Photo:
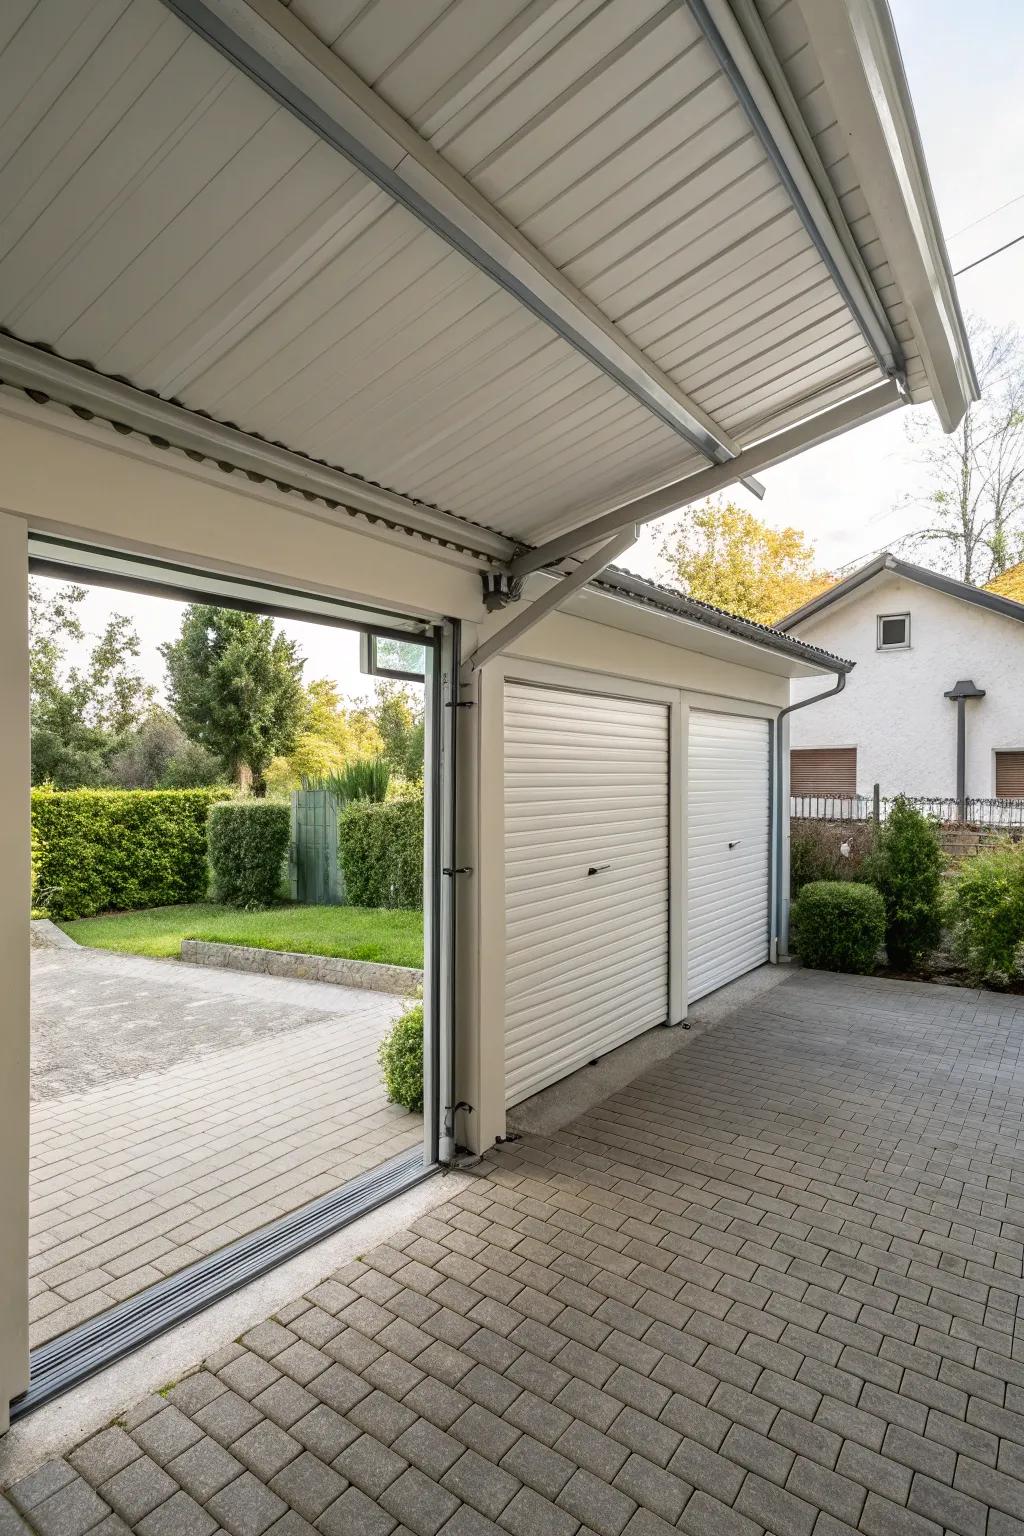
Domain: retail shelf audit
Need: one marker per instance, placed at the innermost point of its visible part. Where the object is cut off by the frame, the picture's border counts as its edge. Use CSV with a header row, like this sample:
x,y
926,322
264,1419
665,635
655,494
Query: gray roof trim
x,y
650,594
991,601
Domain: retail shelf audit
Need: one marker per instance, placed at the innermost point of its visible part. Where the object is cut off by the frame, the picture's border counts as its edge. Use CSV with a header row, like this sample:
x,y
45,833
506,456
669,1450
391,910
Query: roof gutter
x,y
780,929
616,580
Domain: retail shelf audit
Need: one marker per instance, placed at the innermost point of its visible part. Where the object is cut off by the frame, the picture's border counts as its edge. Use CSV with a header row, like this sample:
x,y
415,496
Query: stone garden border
x,y
368,974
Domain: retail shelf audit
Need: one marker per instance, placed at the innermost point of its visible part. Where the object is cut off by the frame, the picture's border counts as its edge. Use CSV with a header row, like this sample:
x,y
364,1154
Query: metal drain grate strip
x,y
63,1362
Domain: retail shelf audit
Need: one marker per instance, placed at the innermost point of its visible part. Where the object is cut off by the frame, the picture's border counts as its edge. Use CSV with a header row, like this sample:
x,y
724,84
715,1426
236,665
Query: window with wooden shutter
x,y
823,771
1010,775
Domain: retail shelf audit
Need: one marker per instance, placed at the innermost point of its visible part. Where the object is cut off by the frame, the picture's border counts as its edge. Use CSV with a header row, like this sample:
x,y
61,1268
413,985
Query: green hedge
x,y
103,849
838,926
248,841
380,844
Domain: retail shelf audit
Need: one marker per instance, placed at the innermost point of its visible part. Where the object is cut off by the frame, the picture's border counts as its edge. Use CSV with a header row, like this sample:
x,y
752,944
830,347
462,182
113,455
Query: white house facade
x,y
914,637
409,328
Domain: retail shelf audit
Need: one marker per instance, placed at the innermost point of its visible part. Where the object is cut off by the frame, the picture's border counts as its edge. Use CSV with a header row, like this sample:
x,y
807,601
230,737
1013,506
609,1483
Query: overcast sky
x,y
964,70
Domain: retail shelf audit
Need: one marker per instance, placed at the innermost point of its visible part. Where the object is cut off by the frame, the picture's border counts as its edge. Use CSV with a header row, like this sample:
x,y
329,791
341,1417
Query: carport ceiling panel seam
x,y
278,52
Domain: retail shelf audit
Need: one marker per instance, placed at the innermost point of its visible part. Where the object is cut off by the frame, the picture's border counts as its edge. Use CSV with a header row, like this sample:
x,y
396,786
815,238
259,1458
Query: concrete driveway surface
x,y
772,1284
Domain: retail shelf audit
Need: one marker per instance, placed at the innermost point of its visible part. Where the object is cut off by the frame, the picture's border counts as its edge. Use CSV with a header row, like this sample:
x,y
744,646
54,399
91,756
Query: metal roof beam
x,y
273,47
838,419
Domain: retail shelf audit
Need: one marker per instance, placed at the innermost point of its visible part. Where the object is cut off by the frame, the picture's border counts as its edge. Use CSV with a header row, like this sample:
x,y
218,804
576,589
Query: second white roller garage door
x,y
586,878
728,822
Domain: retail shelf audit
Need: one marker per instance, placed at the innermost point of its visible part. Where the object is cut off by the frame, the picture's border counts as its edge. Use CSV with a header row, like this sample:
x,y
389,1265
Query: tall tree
x,y
158,755
81,714
235,684
332,735
974,478
723,555
398,716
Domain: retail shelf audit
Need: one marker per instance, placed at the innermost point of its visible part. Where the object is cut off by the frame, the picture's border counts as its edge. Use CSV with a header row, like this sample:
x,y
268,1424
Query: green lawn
x,y
354,933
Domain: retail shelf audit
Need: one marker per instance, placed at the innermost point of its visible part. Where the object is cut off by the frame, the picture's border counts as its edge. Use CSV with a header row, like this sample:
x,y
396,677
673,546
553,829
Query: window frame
x,y
902,645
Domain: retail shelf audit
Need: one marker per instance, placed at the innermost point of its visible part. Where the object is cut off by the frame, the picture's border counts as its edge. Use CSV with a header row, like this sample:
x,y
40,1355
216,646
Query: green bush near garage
x,y
401,1059
380,844
248,844
906,867
838,926
99,850
985,912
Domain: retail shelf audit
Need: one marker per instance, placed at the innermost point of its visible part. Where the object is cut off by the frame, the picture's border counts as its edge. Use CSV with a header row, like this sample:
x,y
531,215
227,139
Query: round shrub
x,y
838,926
248,843
401,1059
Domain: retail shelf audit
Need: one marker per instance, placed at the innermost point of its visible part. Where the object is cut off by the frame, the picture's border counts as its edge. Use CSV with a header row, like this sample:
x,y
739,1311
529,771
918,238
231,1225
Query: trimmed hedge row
x,y
380,844
103,849
248,843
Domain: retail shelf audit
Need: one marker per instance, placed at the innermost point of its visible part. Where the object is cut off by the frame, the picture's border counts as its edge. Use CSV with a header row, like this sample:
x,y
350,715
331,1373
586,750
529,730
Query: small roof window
x,y
893,631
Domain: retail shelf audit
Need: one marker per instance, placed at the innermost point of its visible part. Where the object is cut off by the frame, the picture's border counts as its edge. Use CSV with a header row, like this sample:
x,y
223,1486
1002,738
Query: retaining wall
x,y
276,962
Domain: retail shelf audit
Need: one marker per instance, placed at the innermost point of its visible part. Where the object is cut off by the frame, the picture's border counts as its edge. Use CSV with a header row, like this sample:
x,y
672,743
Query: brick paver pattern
x,y
771,1285
139,1177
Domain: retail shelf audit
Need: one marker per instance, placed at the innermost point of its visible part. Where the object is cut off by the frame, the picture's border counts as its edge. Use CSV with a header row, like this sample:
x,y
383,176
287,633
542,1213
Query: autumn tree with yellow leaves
x,y
723,555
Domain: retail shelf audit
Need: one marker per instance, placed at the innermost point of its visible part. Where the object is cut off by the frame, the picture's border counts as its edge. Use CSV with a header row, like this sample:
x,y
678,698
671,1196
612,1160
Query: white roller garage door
x,y
728,822
586,878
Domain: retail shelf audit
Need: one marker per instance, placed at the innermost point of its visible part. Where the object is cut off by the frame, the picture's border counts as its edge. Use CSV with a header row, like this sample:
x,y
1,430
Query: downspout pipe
x,y
780,809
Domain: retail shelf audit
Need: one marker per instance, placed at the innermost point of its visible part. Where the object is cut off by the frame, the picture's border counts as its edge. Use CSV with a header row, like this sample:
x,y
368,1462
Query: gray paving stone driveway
x,y
773,1284
178,1109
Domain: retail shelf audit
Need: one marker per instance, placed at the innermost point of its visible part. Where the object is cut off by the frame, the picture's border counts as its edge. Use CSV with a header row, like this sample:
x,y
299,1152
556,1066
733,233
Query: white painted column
x,y
14,957
480,1036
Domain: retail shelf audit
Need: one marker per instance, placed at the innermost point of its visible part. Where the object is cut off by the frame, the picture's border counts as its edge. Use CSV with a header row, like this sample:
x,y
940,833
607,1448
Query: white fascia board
x,y
273,46
859,55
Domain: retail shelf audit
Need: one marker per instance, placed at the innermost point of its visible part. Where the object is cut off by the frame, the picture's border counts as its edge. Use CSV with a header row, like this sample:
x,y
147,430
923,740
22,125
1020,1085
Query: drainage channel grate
x,y
63,1362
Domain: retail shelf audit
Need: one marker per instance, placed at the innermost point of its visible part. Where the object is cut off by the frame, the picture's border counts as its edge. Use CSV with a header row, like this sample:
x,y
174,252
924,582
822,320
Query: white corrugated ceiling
x,y
164,219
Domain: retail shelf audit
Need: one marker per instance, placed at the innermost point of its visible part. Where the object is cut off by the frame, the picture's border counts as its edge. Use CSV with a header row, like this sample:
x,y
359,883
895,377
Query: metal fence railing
x,y
981,813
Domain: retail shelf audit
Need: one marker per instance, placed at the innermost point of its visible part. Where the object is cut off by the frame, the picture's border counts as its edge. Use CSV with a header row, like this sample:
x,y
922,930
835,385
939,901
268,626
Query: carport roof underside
x,y
495,273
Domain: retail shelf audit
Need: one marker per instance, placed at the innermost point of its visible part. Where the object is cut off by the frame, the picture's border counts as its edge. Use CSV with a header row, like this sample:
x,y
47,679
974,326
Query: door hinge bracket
x,y
463,869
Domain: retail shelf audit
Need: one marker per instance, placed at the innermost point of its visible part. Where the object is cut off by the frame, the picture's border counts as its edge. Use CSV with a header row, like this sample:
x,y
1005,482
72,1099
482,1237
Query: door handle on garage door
x,y
598,869
735,842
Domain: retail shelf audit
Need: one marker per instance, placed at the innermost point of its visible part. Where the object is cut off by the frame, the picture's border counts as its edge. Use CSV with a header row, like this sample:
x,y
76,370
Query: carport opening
x,y
235,804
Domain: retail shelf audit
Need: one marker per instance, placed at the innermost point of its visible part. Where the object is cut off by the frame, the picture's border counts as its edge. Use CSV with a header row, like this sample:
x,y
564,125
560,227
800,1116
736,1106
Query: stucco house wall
x,y
893,710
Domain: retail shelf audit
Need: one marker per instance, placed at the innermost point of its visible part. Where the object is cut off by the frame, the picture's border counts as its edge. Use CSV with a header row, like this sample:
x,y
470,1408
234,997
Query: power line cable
x,y
988,256
982,217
